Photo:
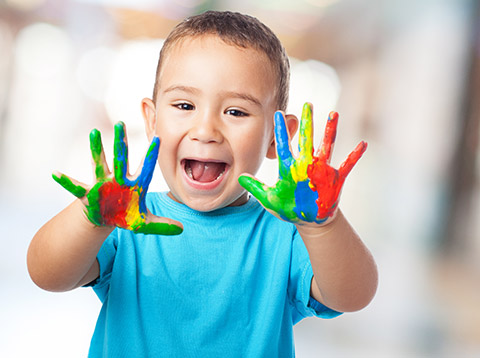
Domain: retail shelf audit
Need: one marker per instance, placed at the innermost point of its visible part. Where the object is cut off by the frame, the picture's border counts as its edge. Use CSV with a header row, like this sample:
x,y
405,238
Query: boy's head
x,y
220,79
239,30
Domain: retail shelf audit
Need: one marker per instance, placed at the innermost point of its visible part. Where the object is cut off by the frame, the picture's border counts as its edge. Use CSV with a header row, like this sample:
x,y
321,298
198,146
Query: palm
x,y
308,188
115,199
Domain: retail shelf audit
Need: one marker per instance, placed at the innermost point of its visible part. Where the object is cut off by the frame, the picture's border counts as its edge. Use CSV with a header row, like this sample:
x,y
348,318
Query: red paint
x,y
326,181
114,200
329,137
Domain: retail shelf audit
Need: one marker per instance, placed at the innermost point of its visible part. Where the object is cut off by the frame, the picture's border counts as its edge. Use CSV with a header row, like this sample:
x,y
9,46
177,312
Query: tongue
x,y
206,171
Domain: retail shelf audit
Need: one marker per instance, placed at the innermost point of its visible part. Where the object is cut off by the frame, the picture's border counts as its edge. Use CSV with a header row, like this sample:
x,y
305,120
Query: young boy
x,y
237,278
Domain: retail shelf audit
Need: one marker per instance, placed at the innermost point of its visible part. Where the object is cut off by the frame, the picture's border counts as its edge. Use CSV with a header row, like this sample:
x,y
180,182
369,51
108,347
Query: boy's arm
x,y
307,194
62,255
345,273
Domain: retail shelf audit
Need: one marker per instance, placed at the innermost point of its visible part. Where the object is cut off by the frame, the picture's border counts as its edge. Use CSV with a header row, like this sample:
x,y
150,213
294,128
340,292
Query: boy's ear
x,y
292,126
149,117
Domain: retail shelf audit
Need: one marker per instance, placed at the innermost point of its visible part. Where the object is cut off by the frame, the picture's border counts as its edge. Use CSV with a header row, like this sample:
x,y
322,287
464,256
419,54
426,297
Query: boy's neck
x,y
242,200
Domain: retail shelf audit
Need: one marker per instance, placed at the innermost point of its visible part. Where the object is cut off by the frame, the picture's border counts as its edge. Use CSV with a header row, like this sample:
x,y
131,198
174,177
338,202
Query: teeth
x,y
188,170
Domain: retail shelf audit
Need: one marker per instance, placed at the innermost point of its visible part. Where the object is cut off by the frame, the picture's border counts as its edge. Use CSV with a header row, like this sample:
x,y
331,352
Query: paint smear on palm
x,y
120,206
117,205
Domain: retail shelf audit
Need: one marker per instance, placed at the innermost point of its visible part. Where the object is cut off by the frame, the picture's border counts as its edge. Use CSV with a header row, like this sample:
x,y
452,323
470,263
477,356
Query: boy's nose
x,y
206,130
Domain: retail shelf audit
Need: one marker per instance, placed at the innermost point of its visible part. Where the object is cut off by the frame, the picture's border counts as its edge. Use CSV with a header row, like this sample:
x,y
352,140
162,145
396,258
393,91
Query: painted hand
x,y
308,188
116,199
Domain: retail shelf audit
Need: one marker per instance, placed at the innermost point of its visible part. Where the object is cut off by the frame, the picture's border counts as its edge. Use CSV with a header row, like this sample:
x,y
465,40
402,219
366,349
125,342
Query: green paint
x,y
96,148
67,183
279,199
152,147
93,207
158,229
120,154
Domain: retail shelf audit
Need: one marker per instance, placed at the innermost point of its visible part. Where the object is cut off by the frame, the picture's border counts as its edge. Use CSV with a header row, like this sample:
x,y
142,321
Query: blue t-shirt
x,y
233,284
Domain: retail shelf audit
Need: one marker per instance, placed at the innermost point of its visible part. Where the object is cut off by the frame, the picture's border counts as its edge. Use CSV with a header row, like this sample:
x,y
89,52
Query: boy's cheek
x,y
252,159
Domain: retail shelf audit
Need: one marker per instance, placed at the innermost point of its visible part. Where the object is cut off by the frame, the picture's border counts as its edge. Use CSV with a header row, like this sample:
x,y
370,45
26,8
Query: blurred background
x,y
404,76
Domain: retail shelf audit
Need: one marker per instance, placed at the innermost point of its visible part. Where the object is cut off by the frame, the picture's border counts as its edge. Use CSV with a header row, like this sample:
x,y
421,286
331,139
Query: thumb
x,y
255,187
157,225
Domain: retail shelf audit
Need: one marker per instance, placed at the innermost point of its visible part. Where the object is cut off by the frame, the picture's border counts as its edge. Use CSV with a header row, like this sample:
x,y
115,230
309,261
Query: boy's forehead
x,y
175,52
200,41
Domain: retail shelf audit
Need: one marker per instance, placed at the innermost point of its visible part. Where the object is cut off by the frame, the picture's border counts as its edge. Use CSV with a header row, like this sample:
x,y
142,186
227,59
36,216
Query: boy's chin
x,y
207,203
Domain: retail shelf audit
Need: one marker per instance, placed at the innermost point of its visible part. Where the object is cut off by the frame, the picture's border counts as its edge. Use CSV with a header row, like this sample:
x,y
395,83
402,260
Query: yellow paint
x,y
305,146
132,215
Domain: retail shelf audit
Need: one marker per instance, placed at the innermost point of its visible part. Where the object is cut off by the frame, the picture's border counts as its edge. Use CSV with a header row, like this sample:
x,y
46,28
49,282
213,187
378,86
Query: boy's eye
x,y
184,106
236,113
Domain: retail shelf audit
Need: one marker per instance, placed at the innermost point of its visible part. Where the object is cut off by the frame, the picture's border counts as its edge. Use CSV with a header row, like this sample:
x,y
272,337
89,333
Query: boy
x,y
237,278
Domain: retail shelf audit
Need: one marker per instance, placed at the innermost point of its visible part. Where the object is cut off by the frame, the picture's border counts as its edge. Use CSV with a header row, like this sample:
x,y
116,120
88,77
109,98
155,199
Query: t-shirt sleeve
x,y
105,258
300,279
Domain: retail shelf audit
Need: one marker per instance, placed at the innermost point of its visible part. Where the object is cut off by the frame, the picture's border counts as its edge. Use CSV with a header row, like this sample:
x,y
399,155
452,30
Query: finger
x,y
285,158
256,188
149,163
271,198
98,155
305,139
352,159
305,145
325,152
120,154
157,225
158,229
76,188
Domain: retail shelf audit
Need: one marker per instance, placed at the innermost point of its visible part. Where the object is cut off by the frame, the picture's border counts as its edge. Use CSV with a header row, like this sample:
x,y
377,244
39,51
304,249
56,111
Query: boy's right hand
x,y
114,199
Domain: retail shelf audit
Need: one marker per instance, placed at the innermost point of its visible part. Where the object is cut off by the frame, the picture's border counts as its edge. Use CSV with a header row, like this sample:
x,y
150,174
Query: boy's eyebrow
x,y
182,88
244,96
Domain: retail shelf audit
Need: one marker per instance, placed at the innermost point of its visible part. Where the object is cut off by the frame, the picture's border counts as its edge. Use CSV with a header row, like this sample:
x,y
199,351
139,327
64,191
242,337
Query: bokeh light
x,y
132,78
94,72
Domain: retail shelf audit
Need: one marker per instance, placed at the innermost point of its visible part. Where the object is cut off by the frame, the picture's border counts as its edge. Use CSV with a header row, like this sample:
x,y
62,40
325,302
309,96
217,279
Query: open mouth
x,y
204,172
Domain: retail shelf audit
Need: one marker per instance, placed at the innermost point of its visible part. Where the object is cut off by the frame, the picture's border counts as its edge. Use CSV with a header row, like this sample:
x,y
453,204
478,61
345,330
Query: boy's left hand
x,y
308,188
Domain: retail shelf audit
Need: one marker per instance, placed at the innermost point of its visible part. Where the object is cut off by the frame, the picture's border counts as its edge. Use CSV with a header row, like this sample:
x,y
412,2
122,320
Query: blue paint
x,y
283,146
305,202
145,177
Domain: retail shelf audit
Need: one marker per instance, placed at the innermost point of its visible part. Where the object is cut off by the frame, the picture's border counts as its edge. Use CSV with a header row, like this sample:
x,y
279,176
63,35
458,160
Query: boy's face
x,y
214,117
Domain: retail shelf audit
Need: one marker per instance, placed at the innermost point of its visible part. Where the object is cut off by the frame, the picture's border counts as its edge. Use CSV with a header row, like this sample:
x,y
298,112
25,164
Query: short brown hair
x,y
239,30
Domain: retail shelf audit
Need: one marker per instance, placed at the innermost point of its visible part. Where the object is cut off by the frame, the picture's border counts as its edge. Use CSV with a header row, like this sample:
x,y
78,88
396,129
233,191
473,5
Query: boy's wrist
x,y
312,230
